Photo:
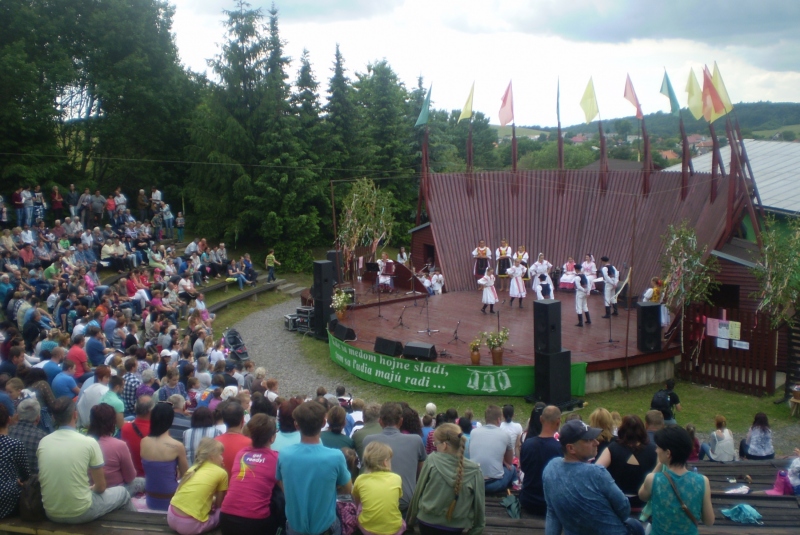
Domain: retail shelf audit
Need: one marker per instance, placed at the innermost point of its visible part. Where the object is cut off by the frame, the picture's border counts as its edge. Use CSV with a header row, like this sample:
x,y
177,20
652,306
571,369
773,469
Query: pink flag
x,y
630,95
506,113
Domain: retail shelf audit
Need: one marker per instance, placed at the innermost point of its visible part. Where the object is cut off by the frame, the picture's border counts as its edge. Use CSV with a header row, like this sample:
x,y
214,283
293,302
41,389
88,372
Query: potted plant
x,y
340,302
495,341
475,351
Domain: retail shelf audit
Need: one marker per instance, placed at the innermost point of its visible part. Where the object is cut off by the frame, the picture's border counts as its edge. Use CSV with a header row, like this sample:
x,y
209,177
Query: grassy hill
x,y
505,131
771,132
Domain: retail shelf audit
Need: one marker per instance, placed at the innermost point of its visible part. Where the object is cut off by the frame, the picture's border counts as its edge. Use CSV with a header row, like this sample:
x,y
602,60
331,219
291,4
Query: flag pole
x,y
513,146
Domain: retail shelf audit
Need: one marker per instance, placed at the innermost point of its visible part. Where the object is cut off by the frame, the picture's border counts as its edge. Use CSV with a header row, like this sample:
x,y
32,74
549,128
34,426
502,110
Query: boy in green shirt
x,y
270,261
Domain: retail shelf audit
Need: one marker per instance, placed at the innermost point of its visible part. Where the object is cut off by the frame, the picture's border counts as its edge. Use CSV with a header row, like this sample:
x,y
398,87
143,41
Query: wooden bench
x,y
118,522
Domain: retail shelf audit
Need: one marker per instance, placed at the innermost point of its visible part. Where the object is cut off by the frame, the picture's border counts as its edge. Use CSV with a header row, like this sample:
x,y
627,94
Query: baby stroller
x,y
235,344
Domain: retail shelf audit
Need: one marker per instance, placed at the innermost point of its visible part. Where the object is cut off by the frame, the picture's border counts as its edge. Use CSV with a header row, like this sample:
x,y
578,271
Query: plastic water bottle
x,y
694,469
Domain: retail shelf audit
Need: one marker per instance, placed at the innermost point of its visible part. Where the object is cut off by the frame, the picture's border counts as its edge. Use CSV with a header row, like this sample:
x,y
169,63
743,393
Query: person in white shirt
x,y
483,257
504,262
402,256
589,270
610,282
568,276
437,281
517,286
27,235
489,293
582,290
512,428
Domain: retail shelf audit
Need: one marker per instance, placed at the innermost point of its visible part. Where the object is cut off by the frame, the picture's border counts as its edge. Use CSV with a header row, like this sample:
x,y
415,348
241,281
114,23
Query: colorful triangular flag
x,y
695,99
425,111
466,111
719,85
630,96
506,113
712,103
667,91
589,102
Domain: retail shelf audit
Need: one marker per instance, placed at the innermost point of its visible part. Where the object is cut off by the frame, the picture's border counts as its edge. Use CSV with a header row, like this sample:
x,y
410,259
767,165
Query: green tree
x,y
778,270
788,135
575,157
366,219
623,127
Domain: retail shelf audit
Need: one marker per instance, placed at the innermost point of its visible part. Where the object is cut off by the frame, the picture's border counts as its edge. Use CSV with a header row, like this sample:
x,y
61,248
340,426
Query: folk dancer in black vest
x,y
610,280
543,287
522,256
482,256
582,291
489,293
503,255
517,288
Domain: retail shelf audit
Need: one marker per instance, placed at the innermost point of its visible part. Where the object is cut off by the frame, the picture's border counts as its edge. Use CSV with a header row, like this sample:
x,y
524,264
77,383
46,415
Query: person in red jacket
x,y
133,432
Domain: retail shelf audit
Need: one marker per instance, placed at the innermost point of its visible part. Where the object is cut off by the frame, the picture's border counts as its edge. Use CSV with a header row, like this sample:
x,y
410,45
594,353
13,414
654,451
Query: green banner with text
x,y
436,377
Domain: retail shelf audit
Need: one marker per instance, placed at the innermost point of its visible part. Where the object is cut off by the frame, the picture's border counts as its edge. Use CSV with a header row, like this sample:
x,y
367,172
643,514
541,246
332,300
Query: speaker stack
x,y
552,383
322,292
648,331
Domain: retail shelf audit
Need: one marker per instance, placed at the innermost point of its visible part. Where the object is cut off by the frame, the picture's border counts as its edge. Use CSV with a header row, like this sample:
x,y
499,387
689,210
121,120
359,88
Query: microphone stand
x,y
400,319
379,304
428,319
455,338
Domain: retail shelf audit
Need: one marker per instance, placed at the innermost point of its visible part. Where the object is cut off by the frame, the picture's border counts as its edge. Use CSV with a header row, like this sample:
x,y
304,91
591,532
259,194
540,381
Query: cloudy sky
x,y
452,43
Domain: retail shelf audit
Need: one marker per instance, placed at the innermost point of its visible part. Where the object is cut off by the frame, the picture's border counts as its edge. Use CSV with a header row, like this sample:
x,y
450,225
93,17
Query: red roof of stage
x,y
530,208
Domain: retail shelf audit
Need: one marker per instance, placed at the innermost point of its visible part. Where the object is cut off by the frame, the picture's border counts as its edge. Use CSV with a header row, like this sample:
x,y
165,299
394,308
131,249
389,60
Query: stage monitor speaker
x,y
384,346
333,323
547,326
552,383
344,333
323,281
648,339
419,351
320,310
336,258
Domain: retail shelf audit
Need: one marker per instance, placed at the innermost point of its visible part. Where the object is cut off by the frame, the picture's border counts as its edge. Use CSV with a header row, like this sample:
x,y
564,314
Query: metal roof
x,y
528,208
776,169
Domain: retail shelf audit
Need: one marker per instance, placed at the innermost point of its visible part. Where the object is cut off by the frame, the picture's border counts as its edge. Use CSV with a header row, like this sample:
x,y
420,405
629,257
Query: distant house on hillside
x,y
694,139
580,138
633,139
704,147
669,154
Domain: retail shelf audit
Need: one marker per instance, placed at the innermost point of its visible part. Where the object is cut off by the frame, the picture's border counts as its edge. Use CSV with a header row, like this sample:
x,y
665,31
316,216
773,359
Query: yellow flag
x,y
719,85
589,102
695,99
466,111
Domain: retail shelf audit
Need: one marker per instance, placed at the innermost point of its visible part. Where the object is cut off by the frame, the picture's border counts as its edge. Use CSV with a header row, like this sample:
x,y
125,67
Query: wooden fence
x,y
751,371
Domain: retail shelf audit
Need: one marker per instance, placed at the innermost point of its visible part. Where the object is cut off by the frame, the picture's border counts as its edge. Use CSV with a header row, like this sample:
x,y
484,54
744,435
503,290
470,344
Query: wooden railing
x,y
750,370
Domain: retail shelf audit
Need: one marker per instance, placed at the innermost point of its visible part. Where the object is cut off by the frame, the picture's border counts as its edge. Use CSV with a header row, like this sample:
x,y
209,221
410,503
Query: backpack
x,y
31,507
660,401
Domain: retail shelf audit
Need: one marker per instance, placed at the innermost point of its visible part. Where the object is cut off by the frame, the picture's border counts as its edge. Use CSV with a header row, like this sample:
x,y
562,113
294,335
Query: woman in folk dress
x,y
522,256
540,267
590,270
567,281
654,294
517,285
489,293
482,256
503,255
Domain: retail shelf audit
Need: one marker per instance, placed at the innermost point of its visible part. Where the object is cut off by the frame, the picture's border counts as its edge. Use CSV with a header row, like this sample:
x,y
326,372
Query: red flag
x,y
630,96
506,113
712,103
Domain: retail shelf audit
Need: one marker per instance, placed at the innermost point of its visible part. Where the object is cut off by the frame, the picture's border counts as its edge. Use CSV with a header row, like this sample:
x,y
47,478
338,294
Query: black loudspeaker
x,y
384,346
552,377
324,279
547,326
648,338
344,333
318,322
336,258
334,321
419,351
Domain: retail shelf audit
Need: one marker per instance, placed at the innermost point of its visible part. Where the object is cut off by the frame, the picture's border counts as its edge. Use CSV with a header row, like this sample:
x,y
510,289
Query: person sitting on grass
x,y
378,491
195,507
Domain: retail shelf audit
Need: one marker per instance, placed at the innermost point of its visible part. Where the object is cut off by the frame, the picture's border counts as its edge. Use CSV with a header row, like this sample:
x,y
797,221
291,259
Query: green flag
x,y
667,91
426,108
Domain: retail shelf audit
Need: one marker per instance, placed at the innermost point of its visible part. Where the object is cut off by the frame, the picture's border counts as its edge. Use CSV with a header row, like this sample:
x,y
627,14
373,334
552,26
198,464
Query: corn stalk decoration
x,y
778,271
687,278
367,219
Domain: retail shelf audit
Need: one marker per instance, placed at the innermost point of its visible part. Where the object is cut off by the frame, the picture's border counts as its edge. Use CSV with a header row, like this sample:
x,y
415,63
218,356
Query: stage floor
x,y
444,312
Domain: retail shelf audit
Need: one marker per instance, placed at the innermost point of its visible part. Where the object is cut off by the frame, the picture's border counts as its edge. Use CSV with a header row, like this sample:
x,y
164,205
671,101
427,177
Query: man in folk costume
x,y
543,287
437,281
582,291
522,256
567,280
517,285
611,280
482,256
503,255
590,269
489,293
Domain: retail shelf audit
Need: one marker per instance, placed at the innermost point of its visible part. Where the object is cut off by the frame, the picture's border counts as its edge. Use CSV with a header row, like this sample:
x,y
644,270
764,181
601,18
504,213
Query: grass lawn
x,y
700,404
236,312
769,133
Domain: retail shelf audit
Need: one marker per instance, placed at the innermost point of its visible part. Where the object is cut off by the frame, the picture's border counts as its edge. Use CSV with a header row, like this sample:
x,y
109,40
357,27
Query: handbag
x,y
680,500
31,507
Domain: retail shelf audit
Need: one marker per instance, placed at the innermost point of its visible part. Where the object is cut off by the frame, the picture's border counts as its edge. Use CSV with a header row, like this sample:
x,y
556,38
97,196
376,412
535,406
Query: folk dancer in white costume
x,y
543,287
489,293
582,290
590,270
426,282
437,281
568,276
522,256
654,294
517,286
482,256
504,262
385,276
402,257
540,267
610,280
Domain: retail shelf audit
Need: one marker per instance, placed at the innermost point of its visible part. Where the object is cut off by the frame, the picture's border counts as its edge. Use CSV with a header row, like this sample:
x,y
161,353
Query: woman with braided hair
x,y
450,491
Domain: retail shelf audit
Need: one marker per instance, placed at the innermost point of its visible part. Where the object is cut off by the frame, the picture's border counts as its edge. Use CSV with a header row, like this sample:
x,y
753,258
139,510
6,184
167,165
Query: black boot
x,y
608,313
520,303
580,321
484,309
616,312
512,302
588,319
491,309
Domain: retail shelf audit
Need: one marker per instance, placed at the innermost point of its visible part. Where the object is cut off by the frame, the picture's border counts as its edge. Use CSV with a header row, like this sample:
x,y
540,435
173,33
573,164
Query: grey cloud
x,y
303,10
